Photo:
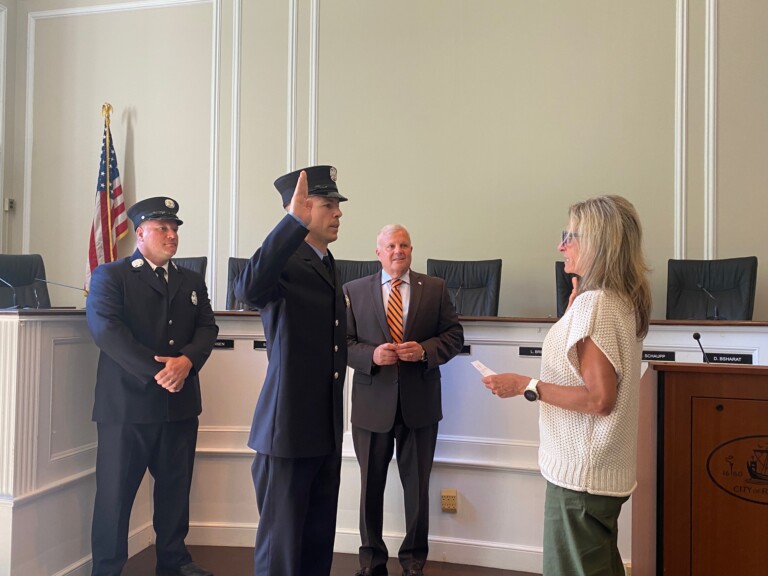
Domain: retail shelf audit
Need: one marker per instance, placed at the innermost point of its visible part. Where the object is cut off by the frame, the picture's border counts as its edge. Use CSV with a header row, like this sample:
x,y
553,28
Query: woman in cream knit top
x,y
589,387
588,452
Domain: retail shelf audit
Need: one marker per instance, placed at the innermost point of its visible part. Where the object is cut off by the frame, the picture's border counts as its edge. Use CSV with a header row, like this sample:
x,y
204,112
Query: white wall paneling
x,y
234,206
48,447
710,130
681,126
213,200
3,115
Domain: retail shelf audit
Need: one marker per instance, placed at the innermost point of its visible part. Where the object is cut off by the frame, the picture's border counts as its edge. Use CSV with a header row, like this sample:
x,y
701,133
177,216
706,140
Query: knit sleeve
x,y
601,317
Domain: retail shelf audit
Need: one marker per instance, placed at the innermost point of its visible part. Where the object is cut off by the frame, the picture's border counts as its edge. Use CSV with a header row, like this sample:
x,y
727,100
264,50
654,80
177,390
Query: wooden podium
x,y
701,505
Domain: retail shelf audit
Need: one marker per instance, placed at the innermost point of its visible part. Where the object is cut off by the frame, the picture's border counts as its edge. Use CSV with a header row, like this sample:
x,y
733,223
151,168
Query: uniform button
x,y
337,322
171,342
336,348
335,375
170,322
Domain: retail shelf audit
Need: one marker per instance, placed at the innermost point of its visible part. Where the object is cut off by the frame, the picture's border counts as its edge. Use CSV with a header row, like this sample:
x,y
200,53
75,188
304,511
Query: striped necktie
x,y
395,311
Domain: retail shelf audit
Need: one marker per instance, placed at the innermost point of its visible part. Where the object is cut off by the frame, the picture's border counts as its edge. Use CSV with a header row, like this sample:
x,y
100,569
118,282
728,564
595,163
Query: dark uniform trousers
x,y
289,489
125,452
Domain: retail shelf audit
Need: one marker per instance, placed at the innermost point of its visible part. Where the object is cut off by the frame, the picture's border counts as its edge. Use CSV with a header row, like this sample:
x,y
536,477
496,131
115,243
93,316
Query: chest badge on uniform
x,y
193,298
138,263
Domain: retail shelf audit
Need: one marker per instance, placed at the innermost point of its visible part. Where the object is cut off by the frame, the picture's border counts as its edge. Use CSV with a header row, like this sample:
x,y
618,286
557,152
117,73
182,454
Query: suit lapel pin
x,y
346,299
138,263
194,298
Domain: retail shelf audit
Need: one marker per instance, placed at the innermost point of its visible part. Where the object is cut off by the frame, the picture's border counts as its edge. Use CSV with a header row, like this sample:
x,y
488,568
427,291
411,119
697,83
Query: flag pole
x,y
110,221
106,110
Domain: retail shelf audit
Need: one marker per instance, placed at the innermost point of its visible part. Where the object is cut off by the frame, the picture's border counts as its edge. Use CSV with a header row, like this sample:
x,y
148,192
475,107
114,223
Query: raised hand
x,y
301,203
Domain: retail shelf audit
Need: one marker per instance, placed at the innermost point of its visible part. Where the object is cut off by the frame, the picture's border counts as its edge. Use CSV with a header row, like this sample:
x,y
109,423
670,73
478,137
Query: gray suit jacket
x,y
432,322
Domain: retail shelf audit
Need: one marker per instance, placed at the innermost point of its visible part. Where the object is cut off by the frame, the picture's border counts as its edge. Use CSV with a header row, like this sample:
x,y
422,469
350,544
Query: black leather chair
x,y
564,287
474,285
197,264
20,272
234,267
353,269
711,289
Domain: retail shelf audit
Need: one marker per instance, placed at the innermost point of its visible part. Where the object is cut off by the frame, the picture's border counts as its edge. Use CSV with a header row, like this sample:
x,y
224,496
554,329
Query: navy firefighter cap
x,y
157,208
321,181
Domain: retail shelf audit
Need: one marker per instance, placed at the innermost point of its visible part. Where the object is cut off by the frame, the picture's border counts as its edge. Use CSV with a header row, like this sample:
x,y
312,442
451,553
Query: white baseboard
x,y
455,551
459,551
138,540
487,554
218,534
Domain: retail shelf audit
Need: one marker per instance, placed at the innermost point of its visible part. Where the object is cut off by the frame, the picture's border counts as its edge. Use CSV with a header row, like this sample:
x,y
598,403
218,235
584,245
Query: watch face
x,y
531,395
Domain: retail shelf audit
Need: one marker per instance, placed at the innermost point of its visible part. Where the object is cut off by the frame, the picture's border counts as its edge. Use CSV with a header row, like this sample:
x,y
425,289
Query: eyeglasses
x,y
568,237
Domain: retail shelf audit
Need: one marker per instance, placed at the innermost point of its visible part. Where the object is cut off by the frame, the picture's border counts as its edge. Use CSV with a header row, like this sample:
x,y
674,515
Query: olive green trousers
x,y
581,533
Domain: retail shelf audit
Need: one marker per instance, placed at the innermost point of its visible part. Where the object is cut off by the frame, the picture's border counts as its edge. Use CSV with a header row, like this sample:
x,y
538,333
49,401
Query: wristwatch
x,y
531,391
423,355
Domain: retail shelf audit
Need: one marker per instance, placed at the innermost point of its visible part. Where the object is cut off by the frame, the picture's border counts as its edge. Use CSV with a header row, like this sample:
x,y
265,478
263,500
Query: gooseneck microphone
x,y
697,337
711,296
83,290
458,299
13,289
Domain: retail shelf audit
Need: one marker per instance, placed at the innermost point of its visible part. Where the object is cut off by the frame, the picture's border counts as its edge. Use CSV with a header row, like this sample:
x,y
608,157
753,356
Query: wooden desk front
x,y
701,508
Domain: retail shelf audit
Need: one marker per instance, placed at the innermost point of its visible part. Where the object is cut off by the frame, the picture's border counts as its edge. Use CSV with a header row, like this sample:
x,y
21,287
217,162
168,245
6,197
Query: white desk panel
x,y
487,447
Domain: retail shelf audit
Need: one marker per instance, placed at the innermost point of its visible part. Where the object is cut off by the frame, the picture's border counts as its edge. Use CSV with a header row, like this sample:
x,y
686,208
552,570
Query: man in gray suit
x,y
401,326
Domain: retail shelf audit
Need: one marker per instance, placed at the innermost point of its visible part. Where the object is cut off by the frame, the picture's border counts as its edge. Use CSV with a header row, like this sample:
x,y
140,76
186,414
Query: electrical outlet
x,y
9,205
449,500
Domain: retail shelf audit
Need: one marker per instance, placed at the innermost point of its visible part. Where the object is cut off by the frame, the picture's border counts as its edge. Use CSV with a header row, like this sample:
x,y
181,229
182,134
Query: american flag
x,y
108,225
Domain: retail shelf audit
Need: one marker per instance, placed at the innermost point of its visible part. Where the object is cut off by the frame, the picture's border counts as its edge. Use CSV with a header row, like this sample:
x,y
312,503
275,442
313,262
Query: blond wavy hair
x,y
611,252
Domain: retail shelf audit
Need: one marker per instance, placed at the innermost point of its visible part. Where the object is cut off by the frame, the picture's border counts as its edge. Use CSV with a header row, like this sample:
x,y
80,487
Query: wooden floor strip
x,y
232,561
